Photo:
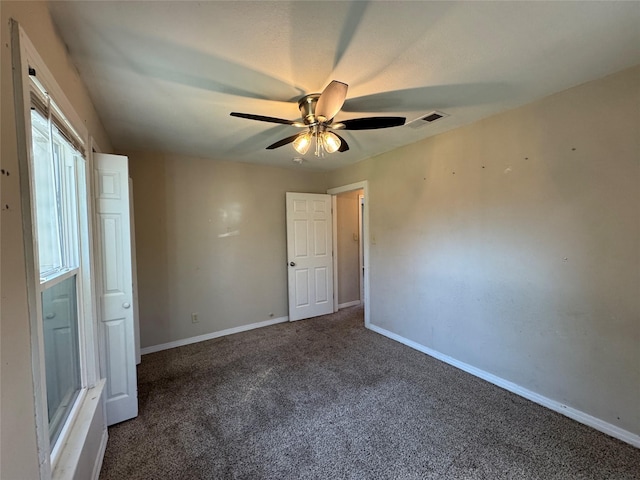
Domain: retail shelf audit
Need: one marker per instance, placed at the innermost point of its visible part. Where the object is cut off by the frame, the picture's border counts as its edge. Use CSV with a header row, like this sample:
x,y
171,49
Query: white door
x,y
115,290
310,255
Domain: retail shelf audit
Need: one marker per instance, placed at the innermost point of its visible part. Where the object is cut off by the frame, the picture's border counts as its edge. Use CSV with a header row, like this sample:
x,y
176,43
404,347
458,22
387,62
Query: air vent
x,y
427,118
433,117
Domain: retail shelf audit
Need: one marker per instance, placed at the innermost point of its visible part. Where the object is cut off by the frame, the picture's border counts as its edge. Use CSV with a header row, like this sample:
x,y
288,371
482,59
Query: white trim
x,y
361,207
23,133
69,428
349,304
347,188
364,185
100,458
334,250
67,462
85,243
577,415
59,277
212,335
134,275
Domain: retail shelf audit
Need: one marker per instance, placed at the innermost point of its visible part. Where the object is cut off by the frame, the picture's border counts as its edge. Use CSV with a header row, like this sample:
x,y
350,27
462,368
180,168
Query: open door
x,y
115,287
310,255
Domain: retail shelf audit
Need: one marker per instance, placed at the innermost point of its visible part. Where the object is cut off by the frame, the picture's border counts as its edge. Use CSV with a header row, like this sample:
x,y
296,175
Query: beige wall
x,y
211,239
18,441
347,205
513,245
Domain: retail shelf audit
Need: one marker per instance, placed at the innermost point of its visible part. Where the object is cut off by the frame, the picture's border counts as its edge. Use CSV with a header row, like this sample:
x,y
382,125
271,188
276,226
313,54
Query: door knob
x,y
293,264
126,305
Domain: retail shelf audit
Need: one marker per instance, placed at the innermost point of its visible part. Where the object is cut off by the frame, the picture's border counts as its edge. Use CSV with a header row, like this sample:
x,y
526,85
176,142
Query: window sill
x,y
86,439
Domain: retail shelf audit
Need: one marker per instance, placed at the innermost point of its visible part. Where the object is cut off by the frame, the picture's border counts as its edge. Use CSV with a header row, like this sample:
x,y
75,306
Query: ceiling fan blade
x,y
344,146
372,123
262,118
331,100
284,141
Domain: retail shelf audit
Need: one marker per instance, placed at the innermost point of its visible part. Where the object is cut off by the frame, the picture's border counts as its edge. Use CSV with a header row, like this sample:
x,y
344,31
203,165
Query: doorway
x,y
348,250
357,238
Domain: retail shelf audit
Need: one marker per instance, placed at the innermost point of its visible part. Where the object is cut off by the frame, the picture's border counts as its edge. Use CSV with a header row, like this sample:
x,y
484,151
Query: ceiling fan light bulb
x,y
330,142
302,143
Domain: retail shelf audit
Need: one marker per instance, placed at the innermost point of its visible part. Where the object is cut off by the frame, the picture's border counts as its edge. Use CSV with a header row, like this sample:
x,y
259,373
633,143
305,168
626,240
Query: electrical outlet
x,y
194,317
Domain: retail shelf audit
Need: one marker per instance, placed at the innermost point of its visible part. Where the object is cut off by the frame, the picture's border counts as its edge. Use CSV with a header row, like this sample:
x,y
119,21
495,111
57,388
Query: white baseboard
x,y
103,448
210,336
570,412
349,304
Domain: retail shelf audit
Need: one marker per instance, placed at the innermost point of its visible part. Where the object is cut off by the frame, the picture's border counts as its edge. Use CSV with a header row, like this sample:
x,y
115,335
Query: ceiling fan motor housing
x,y
307,105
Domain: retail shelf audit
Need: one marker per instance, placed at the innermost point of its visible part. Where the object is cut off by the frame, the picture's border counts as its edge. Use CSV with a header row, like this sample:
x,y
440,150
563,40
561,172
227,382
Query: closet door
x,y
115,287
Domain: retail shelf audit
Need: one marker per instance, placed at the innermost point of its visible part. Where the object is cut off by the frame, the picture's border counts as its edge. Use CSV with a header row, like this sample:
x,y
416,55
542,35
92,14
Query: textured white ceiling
x,y
164,76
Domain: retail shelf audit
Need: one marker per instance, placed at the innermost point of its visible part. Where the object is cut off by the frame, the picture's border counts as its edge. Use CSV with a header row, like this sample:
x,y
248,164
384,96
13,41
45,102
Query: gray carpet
x,y
327,399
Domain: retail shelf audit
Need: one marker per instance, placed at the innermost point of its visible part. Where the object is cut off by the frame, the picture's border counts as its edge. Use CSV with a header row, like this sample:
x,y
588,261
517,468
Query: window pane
x,y
61,349
47,197
64,156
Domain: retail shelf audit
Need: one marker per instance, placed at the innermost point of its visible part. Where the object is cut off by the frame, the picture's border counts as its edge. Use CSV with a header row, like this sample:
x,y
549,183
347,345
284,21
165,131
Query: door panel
x,y
300,239
116,287
116,343
320,237
321,285
302,287
310,249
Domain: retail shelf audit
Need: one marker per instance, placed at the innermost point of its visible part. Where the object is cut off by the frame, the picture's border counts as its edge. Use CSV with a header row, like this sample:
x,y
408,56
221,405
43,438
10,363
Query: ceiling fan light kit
x,y
330,142
324,142
302,142
318,111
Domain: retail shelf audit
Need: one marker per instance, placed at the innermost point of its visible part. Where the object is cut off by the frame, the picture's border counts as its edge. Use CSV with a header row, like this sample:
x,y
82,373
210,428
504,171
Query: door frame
x,y
364,186
361,207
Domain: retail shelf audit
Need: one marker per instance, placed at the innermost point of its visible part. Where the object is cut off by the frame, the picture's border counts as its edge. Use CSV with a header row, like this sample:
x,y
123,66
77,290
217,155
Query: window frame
x,y
26,60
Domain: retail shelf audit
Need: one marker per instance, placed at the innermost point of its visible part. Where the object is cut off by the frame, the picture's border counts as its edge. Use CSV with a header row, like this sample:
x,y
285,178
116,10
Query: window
x,y
55,162
57,181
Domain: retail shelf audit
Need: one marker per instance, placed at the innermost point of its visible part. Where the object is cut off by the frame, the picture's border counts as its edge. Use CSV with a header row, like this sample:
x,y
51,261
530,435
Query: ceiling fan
x,y
318,112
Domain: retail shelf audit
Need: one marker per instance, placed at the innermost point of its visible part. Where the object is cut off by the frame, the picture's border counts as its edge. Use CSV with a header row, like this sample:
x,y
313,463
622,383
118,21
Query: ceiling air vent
x,y
423,120
432,117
